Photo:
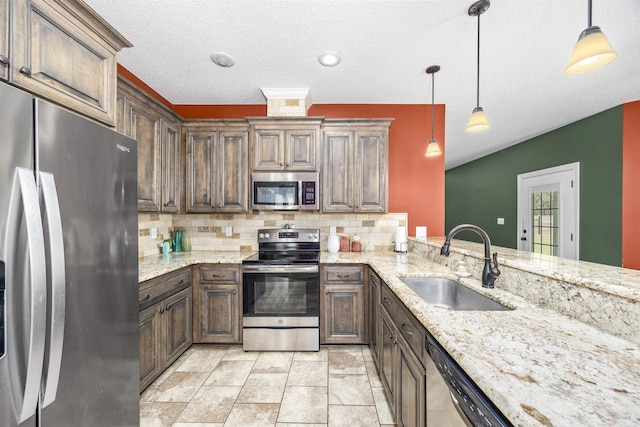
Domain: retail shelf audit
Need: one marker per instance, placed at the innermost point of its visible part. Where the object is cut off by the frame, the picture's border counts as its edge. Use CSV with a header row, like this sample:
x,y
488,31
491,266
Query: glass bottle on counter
x,y
186,243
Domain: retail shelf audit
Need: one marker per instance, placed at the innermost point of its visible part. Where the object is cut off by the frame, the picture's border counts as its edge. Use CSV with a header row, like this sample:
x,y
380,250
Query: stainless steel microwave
x,y
293,191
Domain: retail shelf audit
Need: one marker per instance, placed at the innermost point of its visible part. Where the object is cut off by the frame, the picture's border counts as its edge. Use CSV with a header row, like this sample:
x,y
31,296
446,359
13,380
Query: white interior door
x,y
549,211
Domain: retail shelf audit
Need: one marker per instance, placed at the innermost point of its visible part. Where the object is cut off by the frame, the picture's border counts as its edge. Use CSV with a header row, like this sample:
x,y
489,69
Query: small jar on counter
x,y
356,245
344,244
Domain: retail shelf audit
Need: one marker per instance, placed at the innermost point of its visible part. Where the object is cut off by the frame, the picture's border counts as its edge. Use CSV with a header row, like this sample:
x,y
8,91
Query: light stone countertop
x,y
153,266
539,367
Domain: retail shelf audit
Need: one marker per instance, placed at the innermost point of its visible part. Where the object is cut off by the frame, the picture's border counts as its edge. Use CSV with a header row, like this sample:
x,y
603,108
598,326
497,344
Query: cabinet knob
x,y
25,70
386,301
235,292
162,310
327,292
167,307
4,60
280,163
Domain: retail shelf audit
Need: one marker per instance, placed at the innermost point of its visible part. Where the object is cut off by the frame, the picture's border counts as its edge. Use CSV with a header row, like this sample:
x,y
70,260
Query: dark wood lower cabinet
x,y
411,381
343,299
217,313
400,359
387,357
165,333
150,337
374,313
219,307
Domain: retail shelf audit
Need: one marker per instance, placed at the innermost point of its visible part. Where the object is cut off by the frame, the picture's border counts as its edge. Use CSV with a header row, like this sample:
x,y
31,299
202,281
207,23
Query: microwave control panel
x,y
308,193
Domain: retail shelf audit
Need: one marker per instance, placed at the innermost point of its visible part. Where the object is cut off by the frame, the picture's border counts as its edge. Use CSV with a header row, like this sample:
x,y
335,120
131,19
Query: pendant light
x,y
592,50
433,149
478,121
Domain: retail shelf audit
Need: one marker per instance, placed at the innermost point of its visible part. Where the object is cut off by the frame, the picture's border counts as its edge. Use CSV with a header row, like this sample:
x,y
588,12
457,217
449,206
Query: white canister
x,y
333,243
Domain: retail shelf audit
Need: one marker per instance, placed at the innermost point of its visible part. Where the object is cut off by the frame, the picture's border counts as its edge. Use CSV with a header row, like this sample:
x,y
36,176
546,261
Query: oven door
x,y
281,296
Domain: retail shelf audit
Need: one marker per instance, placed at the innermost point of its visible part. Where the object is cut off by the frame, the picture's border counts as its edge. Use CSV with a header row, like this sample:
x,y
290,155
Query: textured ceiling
x,y
385,48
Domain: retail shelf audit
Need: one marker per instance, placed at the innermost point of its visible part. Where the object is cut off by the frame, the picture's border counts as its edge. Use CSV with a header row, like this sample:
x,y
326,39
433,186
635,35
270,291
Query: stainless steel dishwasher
x,y
453,399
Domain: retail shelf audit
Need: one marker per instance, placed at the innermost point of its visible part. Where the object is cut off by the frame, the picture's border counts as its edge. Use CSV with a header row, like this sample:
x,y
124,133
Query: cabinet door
x,y
232,173
150,338
268,150
58,56
411,388
374,314
343,315
5,60
219,307
300,146
144,126
371,172
387,357
177,327
171,167
200,174
338,172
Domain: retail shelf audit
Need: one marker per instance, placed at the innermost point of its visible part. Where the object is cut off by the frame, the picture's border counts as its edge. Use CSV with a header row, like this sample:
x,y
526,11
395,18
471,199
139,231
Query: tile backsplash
x,y
207,231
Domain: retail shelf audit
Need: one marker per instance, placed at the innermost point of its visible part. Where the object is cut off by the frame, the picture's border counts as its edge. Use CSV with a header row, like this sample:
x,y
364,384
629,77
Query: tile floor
x,y
215,386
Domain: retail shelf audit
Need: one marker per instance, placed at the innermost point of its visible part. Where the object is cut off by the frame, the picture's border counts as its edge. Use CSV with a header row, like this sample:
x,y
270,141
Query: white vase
x,y
333,243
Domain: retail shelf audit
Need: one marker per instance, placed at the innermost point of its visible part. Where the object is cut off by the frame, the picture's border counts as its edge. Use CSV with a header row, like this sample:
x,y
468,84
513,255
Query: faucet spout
x,y
490,271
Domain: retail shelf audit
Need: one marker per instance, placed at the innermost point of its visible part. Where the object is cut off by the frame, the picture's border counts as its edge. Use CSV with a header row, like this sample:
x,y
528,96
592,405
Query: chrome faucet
x,y
489,272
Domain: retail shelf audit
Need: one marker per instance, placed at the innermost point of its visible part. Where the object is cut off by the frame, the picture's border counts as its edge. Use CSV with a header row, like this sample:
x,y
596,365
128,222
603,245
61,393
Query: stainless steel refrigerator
x,y
68,269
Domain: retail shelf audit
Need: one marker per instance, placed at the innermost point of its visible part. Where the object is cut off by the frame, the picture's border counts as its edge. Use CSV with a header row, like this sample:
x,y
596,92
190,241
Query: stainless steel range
x,y
281,291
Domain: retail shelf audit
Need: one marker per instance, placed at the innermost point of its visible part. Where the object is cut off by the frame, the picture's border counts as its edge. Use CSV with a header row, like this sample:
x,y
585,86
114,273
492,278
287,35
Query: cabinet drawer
x,y
219,275
163,286
412,330
342,274
389,302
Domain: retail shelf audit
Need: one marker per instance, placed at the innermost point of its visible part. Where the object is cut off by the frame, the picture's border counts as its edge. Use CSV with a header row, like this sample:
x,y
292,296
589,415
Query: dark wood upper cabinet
x,y
62,51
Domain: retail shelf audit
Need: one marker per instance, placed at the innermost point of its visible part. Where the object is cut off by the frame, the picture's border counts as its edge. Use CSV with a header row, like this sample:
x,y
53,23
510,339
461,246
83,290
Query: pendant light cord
x,y
478,72
589,12
433,76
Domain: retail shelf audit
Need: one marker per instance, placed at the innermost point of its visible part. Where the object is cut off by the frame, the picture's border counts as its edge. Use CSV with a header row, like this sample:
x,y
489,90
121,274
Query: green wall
x,y
480,191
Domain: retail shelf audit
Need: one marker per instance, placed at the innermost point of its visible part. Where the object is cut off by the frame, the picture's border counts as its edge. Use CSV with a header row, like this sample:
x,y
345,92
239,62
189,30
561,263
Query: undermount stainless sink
x,y
451,295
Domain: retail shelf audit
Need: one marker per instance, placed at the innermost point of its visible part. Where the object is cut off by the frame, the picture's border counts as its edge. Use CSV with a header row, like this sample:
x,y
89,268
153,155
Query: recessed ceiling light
x,y
222,59
329,59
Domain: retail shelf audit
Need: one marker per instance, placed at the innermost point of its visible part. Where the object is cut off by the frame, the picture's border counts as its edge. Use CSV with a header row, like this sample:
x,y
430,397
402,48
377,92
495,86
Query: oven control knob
x,y
261,236
313,236
266,235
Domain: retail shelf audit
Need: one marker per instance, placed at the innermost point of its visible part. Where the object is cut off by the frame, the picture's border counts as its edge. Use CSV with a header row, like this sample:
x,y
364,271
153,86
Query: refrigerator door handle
x,y
58,287
24,186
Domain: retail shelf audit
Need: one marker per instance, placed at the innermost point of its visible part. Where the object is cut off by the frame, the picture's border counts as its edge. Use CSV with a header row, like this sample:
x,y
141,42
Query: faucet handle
x,y
495,272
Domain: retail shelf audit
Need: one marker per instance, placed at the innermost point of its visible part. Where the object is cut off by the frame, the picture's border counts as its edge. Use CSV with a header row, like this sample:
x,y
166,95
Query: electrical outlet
x,y
154,233
228,231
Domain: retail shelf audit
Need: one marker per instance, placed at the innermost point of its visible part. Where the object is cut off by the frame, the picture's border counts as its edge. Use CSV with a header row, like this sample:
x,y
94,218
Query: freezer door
x,y
95,174
22,260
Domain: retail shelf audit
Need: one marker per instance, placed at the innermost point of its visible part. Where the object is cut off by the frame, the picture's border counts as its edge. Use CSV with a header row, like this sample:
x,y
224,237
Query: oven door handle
x,y
280,268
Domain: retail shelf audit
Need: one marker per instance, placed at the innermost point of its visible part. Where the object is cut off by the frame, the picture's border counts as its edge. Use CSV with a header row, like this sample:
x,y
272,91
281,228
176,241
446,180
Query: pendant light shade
x,y
478,121
433,149
591,51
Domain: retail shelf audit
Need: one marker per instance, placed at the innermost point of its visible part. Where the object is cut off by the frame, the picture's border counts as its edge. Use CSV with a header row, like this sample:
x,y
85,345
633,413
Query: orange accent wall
x,y
219,111
631,185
